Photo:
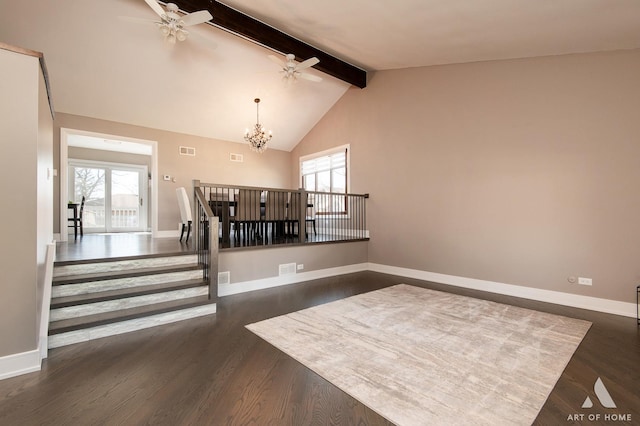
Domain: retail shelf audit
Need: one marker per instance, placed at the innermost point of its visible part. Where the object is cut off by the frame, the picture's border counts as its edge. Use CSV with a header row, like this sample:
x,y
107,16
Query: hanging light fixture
x,y
258,138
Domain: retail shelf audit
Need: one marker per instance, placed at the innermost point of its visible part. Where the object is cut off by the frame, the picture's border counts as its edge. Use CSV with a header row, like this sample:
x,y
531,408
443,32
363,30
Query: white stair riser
x,y
126,303
123,265
123,283
78,336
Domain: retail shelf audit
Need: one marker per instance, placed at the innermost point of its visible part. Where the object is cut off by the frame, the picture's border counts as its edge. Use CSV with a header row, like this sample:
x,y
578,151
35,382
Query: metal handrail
x,y
206,236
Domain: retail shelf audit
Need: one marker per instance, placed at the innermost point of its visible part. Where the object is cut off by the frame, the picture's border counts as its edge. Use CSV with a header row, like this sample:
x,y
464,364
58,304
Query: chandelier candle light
x,y
258,138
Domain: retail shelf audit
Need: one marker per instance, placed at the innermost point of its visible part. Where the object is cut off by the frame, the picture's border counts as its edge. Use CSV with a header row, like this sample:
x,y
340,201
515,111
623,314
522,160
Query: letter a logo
x,y
602,394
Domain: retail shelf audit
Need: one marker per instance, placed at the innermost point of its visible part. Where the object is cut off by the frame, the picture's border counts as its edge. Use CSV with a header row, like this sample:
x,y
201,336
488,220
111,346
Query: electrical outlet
x,y
300,266
584,281
166,177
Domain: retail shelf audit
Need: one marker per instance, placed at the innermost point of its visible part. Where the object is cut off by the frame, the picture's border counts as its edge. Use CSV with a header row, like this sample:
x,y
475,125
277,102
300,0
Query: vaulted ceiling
x,y
104,66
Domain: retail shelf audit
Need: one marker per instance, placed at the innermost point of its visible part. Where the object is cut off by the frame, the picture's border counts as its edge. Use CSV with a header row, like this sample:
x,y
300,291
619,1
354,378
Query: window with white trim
x,y
327,171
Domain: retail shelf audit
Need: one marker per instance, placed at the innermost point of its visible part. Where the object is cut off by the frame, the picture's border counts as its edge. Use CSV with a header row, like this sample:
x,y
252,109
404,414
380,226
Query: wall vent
x,y
187,150
224,277
236,158
286,269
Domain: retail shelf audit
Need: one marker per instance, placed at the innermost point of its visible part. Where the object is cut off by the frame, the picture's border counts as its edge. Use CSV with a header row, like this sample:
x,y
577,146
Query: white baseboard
x,y
242,287
169,234
559,298
44,351
17,364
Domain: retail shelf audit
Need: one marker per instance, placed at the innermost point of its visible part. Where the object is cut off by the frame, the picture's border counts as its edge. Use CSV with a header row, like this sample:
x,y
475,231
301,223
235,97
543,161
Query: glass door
x,y
115,199
126,202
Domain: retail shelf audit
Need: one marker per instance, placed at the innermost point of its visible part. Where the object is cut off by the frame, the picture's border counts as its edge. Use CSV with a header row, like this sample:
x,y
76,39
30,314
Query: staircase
x,y
99,298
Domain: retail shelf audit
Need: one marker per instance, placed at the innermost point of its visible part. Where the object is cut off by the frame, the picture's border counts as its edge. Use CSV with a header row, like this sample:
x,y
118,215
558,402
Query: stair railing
x,y
206,236
251,217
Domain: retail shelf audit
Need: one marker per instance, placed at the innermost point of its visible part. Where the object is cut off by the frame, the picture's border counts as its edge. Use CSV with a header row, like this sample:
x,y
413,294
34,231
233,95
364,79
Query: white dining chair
x,y
185,212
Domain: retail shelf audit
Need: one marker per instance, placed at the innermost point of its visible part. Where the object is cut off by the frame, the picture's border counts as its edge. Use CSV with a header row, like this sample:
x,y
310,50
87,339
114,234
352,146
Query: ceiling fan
x,y
292,70
172,24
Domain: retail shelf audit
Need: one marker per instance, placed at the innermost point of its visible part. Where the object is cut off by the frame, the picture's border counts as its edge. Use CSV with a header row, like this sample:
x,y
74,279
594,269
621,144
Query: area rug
x,y
425,357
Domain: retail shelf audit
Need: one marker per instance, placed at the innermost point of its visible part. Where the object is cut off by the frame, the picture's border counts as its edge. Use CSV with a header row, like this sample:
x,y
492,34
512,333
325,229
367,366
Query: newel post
x,y
302,225
195,211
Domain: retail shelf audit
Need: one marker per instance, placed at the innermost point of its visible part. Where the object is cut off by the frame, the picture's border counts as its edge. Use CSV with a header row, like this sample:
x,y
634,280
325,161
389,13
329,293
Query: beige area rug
x,y
425,357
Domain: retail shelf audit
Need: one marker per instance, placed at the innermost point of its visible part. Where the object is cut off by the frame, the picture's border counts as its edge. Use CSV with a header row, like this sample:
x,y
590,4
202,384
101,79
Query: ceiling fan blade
x,y
277,61
153,4
308,63
140,20
196,18
309,77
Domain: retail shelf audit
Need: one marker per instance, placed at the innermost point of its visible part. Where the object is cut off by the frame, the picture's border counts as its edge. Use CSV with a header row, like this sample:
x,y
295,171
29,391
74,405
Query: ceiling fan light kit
x,y
258,138
291,70
172,25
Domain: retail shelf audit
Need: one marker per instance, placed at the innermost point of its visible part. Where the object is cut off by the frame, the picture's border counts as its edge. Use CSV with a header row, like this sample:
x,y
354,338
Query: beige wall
x,y
26,190
109,156
522,171
211,163
248,265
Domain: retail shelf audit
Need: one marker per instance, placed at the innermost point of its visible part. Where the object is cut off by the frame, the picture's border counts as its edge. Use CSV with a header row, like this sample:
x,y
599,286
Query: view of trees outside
x,y
90,182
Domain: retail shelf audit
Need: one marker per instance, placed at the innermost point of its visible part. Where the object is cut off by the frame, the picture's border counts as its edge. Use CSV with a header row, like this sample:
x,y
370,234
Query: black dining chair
x,y
76,221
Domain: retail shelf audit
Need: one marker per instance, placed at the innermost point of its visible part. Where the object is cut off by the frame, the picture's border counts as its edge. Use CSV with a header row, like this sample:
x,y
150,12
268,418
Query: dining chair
x,y
185,212
220,203
247,212
311,213
76,222
294,216
275,212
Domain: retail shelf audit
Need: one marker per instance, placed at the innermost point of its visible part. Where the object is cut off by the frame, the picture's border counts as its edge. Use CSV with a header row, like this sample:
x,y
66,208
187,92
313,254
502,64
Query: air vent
x,y
287,269
187,150
224,277
236,158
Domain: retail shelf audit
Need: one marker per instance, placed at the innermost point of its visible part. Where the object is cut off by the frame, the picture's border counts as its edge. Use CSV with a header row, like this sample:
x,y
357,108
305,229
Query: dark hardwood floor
x,y
101,246
212,370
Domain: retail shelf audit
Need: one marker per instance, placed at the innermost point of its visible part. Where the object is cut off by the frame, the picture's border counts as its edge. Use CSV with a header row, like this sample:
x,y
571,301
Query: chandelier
x,y
258,138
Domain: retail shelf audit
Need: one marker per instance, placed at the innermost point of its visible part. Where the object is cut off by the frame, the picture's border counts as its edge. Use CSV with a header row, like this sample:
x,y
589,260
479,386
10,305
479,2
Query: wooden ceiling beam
x,y
245,26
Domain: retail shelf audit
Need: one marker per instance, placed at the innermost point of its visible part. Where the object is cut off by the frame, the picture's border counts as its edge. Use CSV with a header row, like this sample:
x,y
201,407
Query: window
x,y
327,171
